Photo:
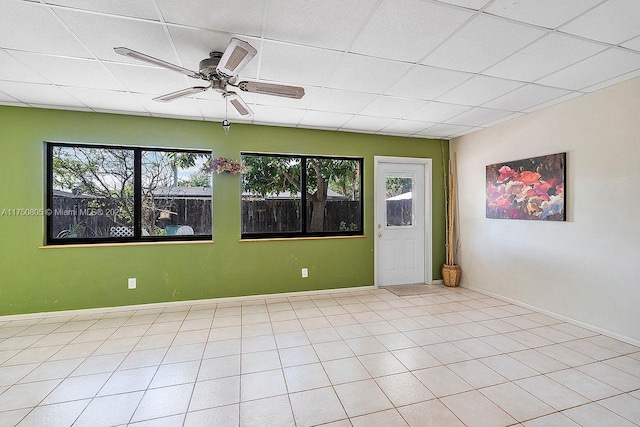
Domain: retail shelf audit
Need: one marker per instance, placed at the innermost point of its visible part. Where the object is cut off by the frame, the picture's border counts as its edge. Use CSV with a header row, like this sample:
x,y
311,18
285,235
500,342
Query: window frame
x,y
303,200
137,198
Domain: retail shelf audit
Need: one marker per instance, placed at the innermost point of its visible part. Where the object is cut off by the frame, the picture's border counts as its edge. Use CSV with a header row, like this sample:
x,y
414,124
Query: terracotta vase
x,y
451,275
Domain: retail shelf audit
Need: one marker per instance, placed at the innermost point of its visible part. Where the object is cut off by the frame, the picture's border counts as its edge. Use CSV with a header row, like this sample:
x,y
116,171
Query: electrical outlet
x,y
132,283
305,273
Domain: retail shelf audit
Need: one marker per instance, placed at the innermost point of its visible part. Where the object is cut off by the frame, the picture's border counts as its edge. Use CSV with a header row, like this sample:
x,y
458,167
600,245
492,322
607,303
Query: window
x,y
295,196
103,194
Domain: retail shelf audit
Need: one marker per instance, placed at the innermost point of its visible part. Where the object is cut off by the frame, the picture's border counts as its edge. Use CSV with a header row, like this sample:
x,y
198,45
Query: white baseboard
x,y
86,311
588,326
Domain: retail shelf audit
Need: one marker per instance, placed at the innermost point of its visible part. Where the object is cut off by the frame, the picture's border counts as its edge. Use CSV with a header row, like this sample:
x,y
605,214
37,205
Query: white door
x,y
400,223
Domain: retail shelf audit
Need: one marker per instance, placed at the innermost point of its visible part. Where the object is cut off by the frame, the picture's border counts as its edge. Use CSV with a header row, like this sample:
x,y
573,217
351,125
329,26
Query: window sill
x,y
107,245
288,239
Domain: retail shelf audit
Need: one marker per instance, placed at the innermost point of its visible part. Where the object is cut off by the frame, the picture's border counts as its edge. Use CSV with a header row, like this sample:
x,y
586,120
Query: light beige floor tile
x,y
552,335
566,355
624,405
380,327
553,420
429,413
277,410
215,417
225,333
345,370
164,328
291,339
362,397
150,342
213,393
10,375
286,326
594,415
476,373
590,349
259,361
528,339
612,376
503,344
12,418
256,329
509,367
222,348
365,345
451,333
389,418
100,412
551,392
258,343
352,331
184,353
415,358
33,355
128,380
332,350
424,337
499,326
538,361
118,345
262,384
322,335
59,414
626,364
219,367
316,406
175,373
191,337
396,341
518,403
584,384
468,407
305,377
76,388
94,335
404,389
170,421
522,322
447,353
162,402
312,323
380,364
298,356
576,331
442,381
26,395
140,359
613,344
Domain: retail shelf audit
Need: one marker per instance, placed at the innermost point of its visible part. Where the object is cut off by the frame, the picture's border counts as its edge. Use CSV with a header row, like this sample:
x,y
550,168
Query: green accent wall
x,y
33,279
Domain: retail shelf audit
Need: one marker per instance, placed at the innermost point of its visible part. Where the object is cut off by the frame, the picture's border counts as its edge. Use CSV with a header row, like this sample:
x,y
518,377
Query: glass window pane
x,y
176,194
333,195
92,193
271,201
399,197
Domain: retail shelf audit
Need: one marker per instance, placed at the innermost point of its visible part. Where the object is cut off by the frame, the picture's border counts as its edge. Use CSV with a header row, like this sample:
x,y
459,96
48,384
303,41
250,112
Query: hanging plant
x,y
223,165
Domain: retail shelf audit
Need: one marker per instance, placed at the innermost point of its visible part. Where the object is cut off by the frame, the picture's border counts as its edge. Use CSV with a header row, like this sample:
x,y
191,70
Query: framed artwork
x,y
527,189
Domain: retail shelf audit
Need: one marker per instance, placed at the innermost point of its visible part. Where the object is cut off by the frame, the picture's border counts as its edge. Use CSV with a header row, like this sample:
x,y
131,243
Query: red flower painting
x,y
527,189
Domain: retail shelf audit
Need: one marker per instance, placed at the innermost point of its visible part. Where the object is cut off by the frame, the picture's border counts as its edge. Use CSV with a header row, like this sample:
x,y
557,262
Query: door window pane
x,y
399,200
92,193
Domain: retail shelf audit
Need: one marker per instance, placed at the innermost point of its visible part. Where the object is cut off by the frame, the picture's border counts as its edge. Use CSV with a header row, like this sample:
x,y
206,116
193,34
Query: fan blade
x,y
235,57
241,107
295,92
179,94
155,61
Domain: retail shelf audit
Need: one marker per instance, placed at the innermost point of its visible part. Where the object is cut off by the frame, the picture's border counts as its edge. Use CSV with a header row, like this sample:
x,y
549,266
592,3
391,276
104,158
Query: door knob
x,y
379,234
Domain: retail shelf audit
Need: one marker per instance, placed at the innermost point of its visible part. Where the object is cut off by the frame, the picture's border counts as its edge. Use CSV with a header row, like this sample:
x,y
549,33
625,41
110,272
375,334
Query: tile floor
x,y
366,358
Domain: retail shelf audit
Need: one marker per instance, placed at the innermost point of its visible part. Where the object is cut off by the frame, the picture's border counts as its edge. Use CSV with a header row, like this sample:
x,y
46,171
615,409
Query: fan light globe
x,y
226,125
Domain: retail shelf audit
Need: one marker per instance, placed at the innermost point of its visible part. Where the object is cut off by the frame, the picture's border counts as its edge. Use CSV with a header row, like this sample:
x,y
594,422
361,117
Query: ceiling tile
x,y
195,44
70,71
613,81
409,32
328,23
325,119
101,33
366,74
545,13
437,112
33,93
277,115
13,70
180,107
406,127
214,109
482,43
558,100
296,64
367,124
594,70
470,4
151,80
478,90
613,22
503,119
465,132
139,9
32,27
478,117
443,130
341,101
543,57
8,100
525,97
427,83
106,99
633,44
387,106
237,17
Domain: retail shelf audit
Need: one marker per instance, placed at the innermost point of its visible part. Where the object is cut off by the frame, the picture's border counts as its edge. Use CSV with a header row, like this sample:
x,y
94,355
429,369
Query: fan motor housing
x,y
208,66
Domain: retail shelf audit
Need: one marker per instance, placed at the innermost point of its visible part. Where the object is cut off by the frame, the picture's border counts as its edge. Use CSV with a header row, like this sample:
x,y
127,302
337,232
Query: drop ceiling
x,y
420,68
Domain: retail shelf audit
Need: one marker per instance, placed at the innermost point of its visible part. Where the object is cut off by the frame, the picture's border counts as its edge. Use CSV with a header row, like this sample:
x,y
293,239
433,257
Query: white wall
x,y
587,268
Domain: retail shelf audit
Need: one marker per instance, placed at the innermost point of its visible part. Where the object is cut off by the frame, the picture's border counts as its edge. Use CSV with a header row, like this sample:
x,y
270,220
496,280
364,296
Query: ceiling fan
x,y
220,70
